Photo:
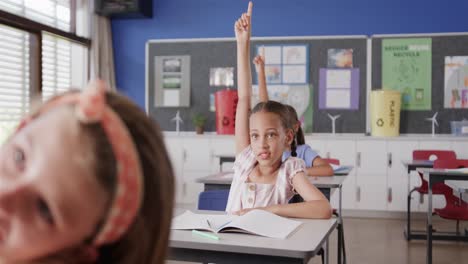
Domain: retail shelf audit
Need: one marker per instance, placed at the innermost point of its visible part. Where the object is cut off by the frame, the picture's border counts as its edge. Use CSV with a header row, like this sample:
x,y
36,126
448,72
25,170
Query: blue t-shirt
x,y
304,152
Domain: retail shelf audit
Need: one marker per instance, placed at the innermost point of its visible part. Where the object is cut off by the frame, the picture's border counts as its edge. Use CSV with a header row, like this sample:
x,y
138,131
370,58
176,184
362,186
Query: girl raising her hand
x,y
261,179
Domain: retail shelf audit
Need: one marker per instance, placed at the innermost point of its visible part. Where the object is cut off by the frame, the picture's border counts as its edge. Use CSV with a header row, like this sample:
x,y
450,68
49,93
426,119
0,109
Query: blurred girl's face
x,y
268,138
49,197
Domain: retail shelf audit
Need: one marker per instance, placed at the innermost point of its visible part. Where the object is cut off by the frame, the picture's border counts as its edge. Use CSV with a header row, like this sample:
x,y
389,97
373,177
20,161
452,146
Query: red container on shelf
x,y
225,103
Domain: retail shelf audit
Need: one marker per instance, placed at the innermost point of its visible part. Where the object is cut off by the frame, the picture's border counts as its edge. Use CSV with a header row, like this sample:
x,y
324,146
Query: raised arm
x,y
243,29
259,62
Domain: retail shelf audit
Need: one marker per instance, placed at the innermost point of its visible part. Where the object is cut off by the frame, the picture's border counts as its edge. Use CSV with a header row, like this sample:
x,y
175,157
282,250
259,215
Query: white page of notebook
x,y
264,223
190,220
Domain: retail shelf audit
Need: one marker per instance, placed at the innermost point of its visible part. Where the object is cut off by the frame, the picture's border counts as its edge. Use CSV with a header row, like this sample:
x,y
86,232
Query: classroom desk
x,y
434,176
303,244
413,165
222,180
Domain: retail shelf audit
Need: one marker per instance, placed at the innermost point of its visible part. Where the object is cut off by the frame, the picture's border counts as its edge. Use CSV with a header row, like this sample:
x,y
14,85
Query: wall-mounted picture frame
x,y
172,81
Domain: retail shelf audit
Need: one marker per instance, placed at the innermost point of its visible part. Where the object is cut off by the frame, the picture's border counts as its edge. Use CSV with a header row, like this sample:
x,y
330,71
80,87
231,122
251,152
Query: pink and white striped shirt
x,y
244,194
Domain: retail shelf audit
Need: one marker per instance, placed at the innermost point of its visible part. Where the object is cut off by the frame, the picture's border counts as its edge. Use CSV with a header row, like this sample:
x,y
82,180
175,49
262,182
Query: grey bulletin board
x,y
221,52
442,45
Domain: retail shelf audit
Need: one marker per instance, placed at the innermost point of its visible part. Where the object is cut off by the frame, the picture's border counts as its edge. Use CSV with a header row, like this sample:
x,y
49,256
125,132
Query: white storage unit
x,y
379,181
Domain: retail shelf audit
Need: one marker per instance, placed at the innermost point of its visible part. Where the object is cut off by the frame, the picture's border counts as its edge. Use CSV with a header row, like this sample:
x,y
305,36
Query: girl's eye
x,y
44,211
271,135
254,136
19,158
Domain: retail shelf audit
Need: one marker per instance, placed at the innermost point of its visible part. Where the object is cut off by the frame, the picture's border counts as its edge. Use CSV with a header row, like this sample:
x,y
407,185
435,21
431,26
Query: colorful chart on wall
x,y
407,67
285,64
298,96
456,82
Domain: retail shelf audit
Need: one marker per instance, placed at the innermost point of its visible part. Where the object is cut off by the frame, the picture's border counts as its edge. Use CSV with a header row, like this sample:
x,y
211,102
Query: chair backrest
x,y
450,163
438,154
215,200
332,161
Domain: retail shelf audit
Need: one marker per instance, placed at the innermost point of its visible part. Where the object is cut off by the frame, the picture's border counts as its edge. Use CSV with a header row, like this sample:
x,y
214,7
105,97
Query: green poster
x,y
407,67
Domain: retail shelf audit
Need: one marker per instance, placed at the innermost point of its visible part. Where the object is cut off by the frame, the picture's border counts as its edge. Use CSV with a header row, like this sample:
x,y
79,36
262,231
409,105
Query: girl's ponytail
x,y
294,147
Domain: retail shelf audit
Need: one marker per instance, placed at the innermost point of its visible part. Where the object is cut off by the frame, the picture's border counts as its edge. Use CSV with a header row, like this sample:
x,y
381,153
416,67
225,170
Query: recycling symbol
x,y
380,122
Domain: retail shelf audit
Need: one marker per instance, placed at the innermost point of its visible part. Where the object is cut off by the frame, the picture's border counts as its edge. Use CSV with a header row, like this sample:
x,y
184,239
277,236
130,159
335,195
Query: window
x,y
14,77
55,13
29,69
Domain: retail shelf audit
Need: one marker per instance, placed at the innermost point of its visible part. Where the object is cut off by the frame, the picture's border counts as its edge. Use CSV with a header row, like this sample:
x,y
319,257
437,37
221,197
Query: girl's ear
x,y
289,137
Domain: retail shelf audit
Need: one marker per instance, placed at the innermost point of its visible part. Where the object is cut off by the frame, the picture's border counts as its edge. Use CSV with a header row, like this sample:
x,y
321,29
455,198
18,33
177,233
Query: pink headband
x,y
92,108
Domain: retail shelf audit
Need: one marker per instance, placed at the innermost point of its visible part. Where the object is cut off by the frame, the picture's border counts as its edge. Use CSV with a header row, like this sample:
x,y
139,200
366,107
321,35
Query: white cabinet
x,y
345,151
318,145
198,159
222,146
371,173
397,175
461,148
379,181
435,145
174,148
197,154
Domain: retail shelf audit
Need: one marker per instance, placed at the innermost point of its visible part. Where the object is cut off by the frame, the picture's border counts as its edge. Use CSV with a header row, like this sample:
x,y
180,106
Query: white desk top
x,y
425,163
427,171
321,182
302,243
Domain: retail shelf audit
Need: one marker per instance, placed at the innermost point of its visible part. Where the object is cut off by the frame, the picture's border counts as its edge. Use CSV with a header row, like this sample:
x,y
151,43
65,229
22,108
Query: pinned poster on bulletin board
x,y
456,82
407,67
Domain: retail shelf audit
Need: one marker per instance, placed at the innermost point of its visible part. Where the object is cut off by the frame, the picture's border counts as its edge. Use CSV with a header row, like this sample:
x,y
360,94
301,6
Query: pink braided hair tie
x,y
91,107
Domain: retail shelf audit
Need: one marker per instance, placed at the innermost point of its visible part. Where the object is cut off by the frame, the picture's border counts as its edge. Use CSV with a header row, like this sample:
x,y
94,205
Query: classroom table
x,y
303,244
222,180
413,165
434,176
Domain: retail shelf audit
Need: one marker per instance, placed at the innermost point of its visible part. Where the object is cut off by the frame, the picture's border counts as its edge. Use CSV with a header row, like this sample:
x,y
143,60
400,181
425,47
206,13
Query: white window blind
x,y
56,65
55,13
14,77
64,63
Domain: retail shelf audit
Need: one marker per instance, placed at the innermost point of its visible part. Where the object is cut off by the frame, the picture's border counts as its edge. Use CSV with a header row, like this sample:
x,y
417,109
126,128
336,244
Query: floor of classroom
x,y
371,240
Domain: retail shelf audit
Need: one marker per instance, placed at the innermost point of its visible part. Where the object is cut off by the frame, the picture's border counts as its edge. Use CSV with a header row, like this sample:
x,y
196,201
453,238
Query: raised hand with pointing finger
x,y
243,26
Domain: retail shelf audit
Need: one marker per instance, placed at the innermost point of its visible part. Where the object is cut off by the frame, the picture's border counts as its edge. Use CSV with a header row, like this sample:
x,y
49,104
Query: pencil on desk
x,y
210,236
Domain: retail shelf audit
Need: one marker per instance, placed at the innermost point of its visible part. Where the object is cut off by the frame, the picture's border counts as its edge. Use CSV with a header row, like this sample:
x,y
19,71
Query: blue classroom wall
x,y
215,18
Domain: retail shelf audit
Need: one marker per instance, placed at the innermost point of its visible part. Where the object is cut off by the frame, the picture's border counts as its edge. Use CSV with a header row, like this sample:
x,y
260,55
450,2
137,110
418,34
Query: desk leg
x,y
408,208
429,224
327,256
340,225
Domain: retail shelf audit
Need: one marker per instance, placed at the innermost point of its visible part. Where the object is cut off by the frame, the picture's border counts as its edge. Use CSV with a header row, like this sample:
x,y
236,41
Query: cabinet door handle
x,y
184,155
389,159
390,196
358,194
358,159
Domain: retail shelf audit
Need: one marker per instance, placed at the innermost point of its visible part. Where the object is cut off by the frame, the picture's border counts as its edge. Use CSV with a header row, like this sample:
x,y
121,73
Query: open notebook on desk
x,y
340,168
256,222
